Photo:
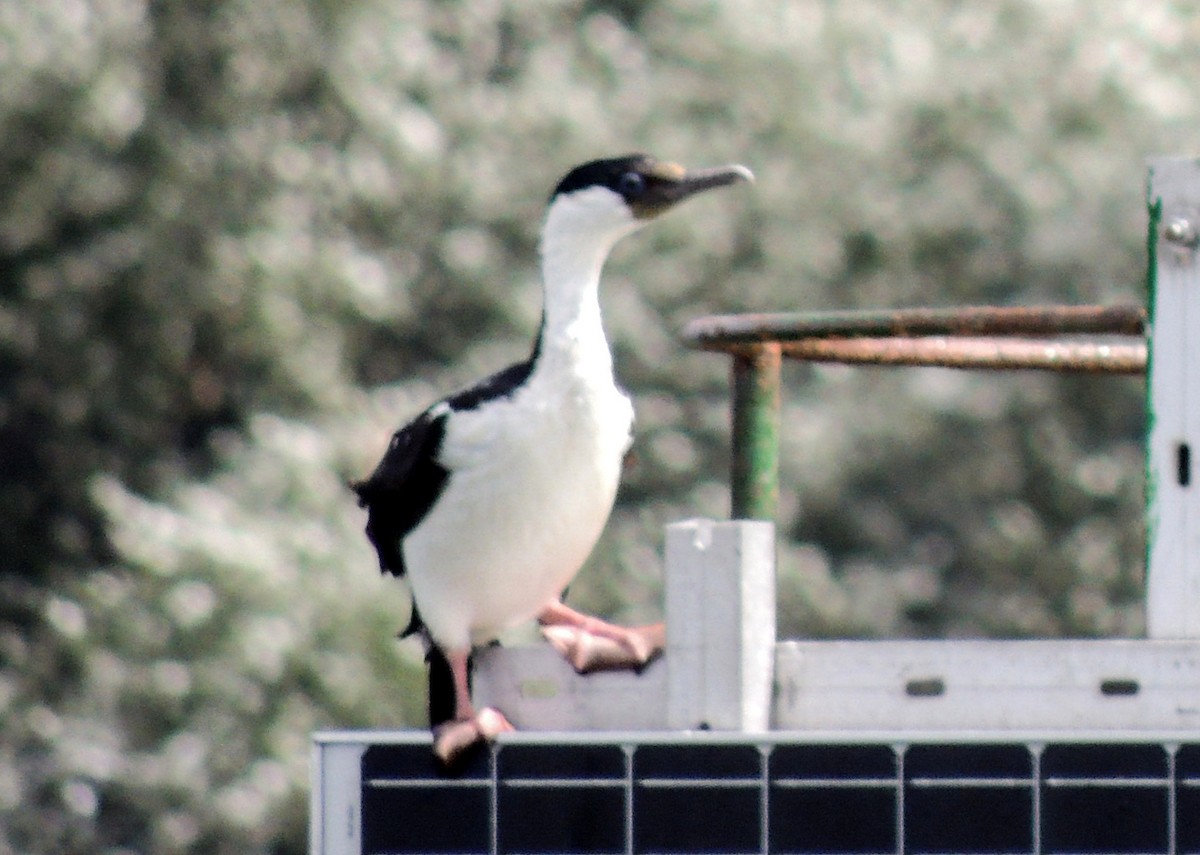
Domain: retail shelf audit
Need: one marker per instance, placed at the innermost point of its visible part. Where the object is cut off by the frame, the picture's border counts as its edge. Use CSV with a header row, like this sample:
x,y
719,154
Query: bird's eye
x,y
631,184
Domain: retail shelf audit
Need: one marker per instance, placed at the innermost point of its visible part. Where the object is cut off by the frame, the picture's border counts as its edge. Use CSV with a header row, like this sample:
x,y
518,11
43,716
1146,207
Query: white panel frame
x,y
335,803
1000,687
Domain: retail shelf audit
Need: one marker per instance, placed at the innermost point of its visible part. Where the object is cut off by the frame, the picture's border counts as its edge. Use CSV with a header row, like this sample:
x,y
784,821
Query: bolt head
x,y
1180,231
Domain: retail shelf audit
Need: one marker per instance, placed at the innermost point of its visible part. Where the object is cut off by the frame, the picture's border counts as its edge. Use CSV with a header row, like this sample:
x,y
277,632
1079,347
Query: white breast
x,y
532,483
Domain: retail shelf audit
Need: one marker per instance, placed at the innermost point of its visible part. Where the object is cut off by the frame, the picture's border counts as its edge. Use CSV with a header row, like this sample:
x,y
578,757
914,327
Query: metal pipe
x,y
754,476
975,353
721,332
980,337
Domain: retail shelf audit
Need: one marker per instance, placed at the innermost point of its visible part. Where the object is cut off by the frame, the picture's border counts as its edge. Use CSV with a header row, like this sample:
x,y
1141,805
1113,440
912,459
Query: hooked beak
x,y
669,184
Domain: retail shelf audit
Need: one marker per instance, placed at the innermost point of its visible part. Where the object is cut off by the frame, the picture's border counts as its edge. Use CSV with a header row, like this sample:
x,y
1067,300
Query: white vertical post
x,y
335,805
1173,402
720,611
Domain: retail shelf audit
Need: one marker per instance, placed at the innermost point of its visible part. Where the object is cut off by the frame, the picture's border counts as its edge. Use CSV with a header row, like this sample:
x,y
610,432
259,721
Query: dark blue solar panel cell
x,y
697,761
833,798
425,820
1187,798
844,819
968,798
561,798
410,806
416,761
561,761
557,819
1105,799
1104,761
859,762
968,819
696,819
697,798
1104,819
969,761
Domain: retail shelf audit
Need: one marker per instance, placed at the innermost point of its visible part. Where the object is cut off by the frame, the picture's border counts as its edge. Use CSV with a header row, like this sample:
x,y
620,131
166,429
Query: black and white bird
x,y
490,501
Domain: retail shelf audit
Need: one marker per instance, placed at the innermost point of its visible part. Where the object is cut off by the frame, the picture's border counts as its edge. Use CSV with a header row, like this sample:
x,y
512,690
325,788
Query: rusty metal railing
x,y
976,337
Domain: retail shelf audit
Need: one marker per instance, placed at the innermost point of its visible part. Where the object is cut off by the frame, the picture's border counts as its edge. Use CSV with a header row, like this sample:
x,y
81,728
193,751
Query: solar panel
x,y
719,793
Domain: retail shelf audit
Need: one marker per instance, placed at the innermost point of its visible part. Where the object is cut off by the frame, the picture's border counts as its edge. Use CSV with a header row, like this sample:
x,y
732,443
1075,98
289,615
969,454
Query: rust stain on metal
x,y
975,352
984,337
717,331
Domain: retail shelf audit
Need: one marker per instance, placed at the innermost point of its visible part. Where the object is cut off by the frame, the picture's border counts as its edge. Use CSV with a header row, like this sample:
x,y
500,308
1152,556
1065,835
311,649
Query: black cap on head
x,y
602,173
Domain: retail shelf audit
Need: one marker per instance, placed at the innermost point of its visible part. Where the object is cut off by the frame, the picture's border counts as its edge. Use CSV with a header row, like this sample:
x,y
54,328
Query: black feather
x,y
409,479
403,487
499,385
602,173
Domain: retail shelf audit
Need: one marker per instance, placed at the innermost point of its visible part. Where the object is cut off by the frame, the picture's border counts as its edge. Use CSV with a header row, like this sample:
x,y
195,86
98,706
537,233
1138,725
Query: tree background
x,y
242,240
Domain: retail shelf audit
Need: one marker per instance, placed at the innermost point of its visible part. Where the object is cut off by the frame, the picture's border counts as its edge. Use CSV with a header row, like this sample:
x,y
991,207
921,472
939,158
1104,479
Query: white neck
x,y
579,232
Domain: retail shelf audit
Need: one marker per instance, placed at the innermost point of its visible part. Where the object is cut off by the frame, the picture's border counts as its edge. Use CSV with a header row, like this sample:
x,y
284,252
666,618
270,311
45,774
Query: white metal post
x,y
720,606
1173,403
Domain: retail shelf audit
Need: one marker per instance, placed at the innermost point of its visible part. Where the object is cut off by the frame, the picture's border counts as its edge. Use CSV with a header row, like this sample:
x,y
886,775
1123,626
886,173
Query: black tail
x,y
443,701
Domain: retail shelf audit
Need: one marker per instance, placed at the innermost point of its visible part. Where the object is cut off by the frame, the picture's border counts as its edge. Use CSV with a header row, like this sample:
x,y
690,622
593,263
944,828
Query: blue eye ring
x,y
631,184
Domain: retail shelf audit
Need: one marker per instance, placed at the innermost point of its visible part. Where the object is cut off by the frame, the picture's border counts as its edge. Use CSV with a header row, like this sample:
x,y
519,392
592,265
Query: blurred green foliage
x,y
242,240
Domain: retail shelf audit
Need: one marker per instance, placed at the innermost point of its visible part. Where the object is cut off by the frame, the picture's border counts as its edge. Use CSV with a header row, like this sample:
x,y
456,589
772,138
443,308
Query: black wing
x,y
409,478
403,487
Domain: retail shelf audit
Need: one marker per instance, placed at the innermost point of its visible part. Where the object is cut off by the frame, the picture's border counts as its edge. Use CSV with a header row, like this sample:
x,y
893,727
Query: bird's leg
x,y
590,644
452,738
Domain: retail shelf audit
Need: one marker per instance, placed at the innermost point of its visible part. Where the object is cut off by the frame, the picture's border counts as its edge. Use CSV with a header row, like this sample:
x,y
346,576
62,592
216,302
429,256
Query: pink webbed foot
x,y
590,644
453,739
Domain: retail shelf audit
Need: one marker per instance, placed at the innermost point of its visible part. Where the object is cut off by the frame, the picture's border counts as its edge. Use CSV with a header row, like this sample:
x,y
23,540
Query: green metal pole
x,y
754,480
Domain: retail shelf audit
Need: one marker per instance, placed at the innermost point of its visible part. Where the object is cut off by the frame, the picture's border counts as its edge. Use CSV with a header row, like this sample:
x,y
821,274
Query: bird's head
x,y
615,196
